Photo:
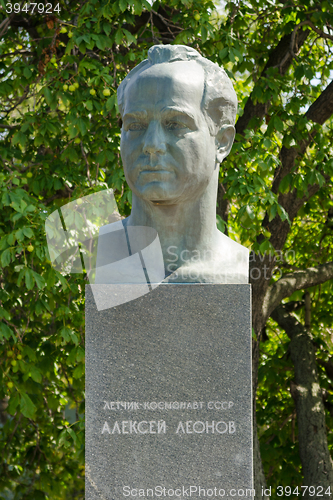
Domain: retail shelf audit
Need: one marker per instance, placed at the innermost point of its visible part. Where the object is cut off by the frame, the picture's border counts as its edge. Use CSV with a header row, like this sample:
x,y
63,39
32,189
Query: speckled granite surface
x,y
168,394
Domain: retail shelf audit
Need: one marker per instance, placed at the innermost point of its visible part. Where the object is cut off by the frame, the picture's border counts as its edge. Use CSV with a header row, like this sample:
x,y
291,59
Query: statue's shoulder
x,y
231,246
234,259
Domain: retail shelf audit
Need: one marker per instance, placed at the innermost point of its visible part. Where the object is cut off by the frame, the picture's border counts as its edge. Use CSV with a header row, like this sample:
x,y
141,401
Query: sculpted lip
x,y
154,169
164,171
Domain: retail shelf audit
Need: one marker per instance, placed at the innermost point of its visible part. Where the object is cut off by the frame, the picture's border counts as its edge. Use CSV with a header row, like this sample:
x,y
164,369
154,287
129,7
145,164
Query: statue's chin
x,y
158,195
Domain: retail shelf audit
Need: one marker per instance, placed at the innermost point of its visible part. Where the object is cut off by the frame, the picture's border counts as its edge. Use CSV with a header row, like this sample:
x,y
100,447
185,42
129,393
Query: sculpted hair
x,y
219,100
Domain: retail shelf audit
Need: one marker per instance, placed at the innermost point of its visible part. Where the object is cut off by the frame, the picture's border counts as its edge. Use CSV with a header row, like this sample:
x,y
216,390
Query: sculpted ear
x,y
224,141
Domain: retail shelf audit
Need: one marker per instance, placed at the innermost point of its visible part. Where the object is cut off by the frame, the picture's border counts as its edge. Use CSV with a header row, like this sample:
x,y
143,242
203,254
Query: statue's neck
x,y
189,226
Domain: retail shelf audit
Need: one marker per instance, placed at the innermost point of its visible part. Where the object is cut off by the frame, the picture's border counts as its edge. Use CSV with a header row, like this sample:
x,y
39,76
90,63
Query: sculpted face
x,y
168,153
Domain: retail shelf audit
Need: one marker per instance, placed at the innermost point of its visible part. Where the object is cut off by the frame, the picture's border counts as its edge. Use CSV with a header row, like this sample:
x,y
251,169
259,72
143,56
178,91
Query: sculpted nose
x,y
154,142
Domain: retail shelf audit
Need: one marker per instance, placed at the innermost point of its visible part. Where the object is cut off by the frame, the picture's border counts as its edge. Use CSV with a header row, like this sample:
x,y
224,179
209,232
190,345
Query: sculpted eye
x,y
172,125
133,127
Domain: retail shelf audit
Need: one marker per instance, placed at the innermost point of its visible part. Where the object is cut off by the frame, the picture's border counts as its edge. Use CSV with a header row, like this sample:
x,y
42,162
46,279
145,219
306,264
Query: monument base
x,y
169,394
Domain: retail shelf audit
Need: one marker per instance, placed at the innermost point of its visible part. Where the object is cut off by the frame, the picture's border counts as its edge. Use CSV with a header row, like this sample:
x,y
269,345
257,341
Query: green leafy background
x,y
59,140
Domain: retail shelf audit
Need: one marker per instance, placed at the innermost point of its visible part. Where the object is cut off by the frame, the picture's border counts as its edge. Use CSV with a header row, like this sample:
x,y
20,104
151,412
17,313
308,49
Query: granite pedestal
x,y
169,394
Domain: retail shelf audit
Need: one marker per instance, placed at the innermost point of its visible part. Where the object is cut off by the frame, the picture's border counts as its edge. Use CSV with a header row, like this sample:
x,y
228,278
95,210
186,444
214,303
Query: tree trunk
x,y
259,482
306,392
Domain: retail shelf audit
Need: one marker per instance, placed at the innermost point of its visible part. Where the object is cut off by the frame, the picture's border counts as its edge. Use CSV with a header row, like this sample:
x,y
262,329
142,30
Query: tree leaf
x,y
47,95
28,232
29,278
278,124
13,403
19,138
40,281
6,257
6,332
35,374
123,5
79,371
204,33
119,36
27,406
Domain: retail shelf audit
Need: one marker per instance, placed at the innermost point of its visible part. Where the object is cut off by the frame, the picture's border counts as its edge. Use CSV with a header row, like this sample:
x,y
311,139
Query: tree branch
x,y
280,57
161,20
63,193
322,109
319,111
15,52
5,23
287,161
321,33
279,229
291,282
2,125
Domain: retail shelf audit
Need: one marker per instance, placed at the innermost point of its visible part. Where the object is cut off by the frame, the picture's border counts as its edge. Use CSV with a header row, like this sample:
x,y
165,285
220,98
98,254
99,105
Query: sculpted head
x,y
178,111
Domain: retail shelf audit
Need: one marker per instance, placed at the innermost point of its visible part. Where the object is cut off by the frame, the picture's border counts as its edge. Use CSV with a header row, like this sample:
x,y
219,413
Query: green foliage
x,y
38,361
276,415
60,140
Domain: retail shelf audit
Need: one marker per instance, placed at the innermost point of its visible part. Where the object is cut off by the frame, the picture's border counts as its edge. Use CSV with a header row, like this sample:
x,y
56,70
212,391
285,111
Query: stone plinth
x,y
169,394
